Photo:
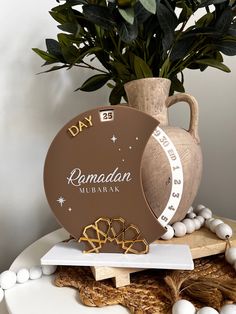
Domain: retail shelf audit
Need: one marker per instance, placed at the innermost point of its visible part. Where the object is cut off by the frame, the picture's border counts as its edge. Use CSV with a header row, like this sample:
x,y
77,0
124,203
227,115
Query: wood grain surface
x,y
202,243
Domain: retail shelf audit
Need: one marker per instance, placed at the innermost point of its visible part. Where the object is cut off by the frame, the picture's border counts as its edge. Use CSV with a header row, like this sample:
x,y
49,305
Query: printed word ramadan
x,y
78,179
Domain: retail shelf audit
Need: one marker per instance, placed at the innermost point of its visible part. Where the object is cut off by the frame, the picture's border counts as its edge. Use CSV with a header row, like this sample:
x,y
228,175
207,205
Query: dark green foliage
x,y
134,39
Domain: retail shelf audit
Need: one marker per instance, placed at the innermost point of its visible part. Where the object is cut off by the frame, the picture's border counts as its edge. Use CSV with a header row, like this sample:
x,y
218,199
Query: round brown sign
x,y
93,171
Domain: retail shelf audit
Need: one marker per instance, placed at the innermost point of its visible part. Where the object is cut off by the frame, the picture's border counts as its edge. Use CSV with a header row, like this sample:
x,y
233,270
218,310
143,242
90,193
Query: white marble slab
x,y
160,256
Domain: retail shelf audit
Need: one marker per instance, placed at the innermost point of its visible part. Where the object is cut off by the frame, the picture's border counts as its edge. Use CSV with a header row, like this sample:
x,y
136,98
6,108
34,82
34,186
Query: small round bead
x,y
179,229
7,279
197,223
1,294
223,231
207,310
35,272
228,309
205,213
198,208
201,219
208,221
22,275
183,307
190,210
191,215
189,224
230,255
214,223
48,269
169,233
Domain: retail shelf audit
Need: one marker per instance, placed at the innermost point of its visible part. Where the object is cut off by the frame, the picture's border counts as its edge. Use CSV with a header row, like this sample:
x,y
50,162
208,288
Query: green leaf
x,y
141,68
71,28
99,15
54,48
127,14
227,47
214,63
116,94
149,5
140,13
168,22
224,21
94,82
177,85
59,17
205,20
45,55
128,32
54,68
70,54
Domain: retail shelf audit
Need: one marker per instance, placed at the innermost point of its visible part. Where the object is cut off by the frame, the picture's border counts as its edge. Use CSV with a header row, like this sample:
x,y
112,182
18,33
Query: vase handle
x,y
193,104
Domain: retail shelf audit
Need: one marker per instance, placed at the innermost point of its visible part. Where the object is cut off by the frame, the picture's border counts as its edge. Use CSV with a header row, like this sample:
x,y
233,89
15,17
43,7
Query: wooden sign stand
x,y
202,243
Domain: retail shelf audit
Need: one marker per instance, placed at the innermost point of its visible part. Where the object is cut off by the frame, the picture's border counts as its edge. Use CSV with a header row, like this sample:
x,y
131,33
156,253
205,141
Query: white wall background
x,y
34,107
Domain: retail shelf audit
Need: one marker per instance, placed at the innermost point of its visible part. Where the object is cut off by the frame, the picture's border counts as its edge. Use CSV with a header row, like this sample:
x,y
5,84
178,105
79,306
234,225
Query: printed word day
x,y
74,130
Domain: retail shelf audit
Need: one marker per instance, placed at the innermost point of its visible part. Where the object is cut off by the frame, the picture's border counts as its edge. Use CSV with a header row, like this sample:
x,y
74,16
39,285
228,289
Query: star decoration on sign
x,y
114,139
61,200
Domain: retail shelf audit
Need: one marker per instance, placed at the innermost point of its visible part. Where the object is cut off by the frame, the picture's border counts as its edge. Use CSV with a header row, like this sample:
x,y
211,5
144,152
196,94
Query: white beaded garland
x,y
223,231
191,215
22,275
207,310
205,213
230,255
190,210
228,309
48,269
35,272
189,224
197,224
7,279
179,229
214,223
201,219
1,294
208,221
183,307
169,233
199,208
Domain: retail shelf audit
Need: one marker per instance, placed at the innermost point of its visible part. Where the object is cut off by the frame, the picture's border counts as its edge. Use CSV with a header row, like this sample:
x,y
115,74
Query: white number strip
x,y
176,173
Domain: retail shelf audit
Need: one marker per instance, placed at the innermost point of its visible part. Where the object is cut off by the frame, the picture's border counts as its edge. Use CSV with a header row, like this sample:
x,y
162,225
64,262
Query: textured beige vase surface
x,y
151,95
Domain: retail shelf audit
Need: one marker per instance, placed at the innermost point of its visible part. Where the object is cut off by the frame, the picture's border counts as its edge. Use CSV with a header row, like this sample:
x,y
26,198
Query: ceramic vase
x,y
151,95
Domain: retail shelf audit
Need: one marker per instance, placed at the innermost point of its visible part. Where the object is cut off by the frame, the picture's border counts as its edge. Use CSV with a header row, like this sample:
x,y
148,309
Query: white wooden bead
x,y
179,229
201,219
207,310
7,279
169,233
228,309
197,223
223,231
191,215
190,210
22,275
205,213
48,269
230,255
1,294
35,272
214,223
198,208
189,224
183,307
208,221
